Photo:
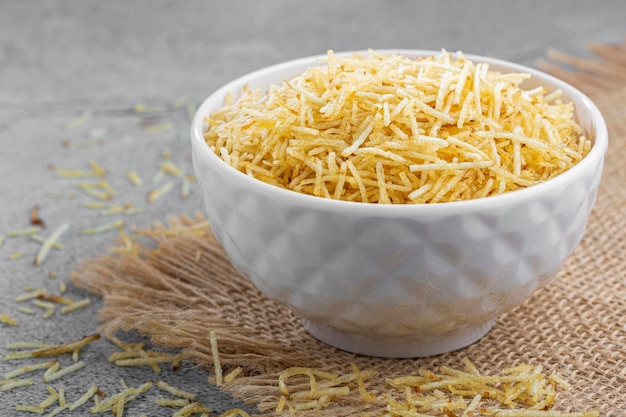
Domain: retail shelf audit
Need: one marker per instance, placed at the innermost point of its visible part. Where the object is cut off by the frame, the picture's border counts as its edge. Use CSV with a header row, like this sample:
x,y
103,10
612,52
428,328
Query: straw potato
x,y
389,129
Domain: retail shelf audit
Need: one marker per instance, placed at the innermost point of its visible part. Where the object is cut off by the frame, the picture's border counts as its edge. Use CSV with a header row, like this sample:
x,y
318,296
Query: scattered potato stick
x,y
96,205
556,378
23,232
49,307
142,108
62,195
133,354
128,245
94,190
26,310
8,320
155,367
118,401
22,354
56,365
29,408
119,407
51,399
48,313
29,295
365,395
133,177
121,209
57,410
84,398
59,373
37,238
55,298
62,402
162,385
164,358
104,228
320,392
128,354
172,402
159,128
125,346
123,384
16,255
308,372
17,383
69,173
155,194
56,350
26,345
110,209
168,167
96,171
312,405
185,187
233,374
104,184
47,244
235,412
76,306
281,404
35,219
99,194
28,368
473,405
190,409
217,366
198,229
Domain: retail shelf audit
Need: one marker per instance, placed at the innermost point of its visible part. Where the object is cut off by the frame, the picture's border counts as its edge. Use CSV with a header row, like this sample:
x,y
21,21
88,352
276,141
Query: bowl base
x,y
399,347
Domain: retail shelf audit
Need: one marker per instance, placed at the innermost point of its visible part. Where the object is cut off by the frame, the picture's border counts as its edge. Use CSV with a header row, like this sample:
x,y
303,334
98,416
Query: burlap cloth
x,y
178,289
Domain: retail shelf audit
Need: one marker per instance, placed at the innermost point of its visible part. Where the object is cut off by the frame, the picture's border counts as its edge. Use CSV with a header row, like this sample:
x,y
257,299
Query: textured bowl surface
x,y
398,280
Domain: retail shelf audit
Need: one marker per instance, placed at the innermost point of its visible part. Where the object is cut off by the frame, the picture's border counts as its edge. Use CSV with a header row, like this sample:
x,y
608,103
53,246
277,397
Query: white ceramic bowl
x,y
398,280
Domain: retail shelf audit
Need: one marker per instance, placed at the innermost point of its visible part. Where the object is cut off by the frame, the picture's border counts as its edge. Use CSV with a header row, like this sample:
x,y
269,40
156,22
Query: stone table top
x,y
115,82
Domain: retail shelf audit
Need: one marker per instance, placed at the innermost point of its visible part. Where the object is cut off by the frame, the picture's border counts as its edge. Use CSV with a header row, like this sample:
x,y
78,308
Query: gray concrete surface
x,y
60,60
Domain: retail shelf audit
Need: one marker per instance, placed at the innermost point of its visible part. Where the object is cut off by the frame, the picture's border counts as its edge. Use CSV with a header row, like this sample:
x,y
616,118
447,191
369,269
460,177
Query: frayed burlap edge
x,y
176,284
603,72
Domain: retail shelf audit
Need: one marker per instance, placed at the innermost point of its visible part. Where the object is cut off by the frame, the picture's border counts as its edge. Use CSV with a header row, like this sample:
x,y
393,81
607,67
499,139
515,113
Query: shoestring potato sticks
x,y
388,129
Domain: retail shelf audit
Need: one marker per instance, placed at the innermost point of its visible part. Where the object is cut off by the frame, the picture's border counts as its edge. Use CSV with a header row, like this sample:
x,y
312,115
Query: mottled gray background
x,y
59,59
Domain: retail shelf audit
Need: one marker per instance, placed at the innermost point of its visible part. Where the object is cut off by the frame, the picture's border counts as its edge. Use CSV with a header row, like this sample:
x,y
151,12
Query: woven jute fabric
x,y
178,285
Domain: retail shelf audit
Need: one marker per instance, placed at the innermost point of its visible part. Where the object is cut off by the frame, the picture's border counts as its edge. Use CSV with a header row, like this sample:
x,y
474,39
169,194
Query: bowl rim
x,y
593,158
